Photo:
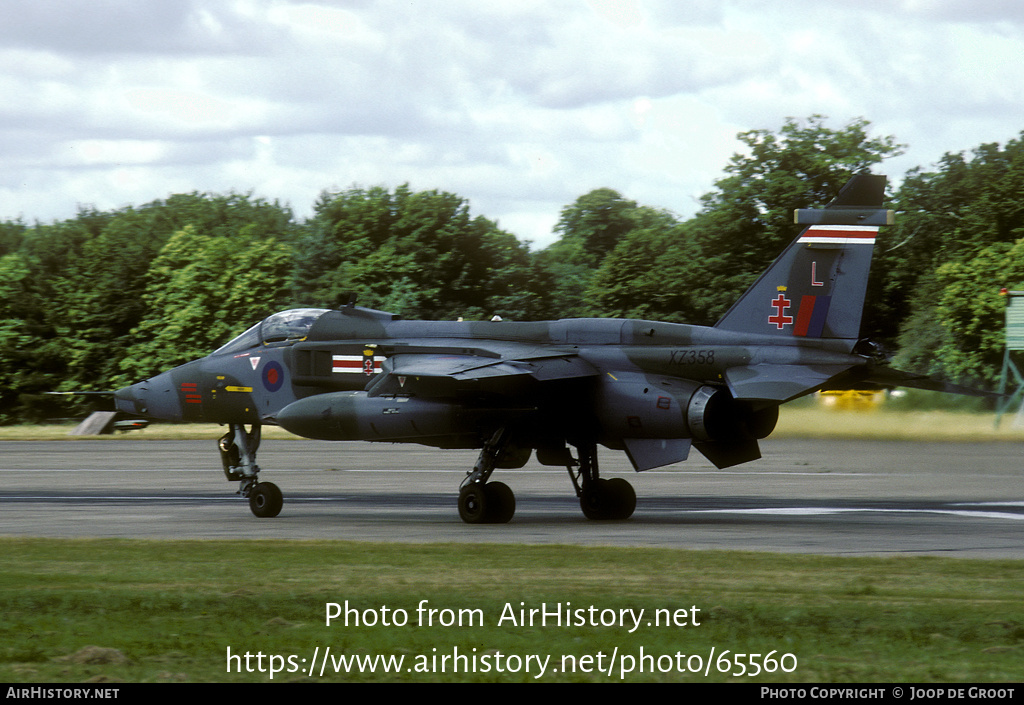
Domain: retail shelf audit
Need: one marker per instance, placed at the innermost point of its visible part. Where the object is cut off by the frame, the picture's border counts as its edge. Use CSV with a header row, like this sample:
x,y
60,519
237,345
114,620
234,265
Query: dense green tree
x,y
958,241
420,254
640,277
201,291
33,350
590,230
593,225
100,294
27,356
961,336
945,216
101,299
76,290
11,236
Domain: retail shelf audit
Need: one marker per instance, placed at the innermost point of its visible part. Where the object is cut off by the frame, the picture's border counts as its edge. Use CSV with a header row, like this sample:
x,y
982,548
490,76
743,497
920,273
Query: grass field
x,y
169,611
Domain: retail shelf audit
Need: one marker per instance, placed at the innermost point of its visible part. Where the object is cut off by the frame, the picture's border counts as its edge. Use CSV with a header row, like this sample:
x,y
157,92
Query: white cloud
x,y
520,107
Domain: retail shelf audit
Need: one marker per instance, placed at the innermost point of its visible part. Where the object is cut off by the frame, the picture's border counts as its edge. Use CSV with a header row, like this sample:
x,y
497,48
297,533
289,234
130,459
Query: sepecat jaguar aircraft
x,y
650,389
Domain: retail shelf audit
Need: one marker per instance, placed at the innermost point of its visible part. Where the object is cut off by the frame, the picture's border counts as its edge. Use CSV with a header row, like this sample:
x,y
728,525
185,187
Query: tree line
x,y
106,298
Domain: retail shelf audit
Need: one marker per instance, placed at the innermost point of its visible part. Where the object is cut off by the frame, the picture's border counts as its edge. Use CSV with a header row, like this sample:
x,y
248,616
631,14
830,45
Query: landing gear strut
x,y
600,498
238,456
482,502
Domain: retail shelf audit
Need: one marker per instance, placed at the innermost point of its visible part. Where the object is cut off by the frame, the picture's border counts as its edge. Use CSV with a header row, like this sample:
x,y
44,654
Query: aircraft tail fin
x,y
816,287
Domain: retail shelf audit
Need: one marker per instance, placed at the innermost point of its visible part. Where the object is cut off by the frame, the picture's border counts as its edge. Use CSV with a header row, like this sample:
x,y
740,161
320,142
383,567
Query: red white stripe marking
x,y
840,234
352,364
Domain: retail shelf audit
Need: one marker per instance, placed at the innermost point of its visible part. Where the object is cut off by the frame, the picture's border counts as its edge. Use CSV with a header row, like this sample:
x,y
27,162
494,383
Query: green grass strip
x,y
170,610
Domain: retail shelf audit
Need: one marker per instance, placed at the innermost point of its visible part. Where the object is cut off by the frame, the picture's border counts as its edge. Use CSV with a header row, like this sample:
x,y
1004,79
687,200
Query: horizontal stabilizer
x,y
778,382
890,377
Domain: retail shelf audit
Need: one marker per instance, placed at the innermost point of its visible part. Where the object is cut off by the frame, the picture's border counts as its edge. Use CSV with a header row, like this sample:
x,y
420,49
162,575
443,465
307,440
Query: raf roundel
x,y
273,376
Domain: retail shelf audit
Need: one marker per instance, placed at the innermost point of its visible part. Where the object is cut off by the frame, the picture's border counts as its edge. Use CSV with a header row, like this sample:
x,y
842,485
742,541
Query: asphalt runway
x,y
823,497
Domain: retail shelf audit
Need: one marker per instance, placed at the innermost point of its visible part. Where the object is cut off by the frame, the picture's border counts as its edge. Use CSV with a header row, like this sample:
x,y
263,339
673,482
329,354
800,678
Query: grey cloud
x,y
128,26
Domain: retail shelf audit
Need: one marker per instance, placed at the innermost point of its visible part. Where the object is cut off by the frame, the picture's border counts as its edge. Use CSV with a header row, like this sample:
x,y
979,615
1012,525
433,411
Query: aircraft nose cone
x,y
154,397
125,400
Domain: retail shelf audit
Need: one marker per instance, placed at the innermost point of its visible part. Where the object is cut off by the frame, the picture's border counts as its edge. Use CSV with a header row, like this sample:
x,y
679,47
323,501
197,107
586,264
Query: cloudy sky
x,y
519,106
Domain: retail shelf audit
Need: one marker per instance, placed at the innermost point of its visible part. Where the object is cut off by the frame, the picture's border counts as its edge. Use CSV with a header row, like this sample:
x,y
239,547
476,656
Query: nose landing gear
x,y
238,456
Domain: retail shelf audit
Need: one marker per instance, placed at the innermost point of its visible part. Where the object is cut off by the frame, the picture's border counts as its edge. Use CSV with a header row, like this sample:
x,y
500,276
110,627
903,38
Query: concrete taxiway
x,y
826,497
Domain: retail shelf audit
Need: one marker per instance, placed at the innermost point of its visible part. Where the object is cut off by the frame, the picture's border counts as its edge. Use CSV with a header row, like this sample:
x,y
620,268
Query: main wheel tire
x,y
501,503
594,500
608,499
623,498
473,503
266,500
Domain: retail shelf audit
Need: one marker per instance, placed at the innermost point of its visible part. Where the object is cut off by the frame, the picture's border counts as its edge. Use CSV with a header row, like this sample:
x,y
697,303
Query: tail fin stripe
x,y
803,316
840,234
811,316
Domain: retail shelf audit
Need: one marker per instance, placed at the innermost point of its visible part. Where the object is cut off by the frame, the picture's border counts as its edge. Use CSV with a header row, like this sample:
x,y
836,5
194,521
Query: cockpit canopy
x,y
282,327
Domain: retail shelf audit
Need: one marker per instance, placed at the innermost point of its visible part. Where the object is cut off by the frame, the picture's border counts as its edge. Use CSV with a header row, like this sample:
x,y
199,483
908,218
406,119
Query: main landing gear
x,y
238,456
483,502
600,498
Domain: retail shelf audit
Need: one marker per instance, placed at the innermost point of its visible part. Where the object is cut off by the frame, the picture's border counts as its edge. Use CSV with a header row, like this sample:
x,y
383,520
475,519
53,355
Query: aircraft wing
x,y
512,372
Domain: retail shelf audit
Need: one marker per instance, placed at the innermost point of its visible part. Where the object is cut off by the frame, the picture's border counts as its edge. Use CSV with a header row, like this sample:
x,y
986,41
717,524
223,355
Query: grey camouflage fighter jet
x,y
654,390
